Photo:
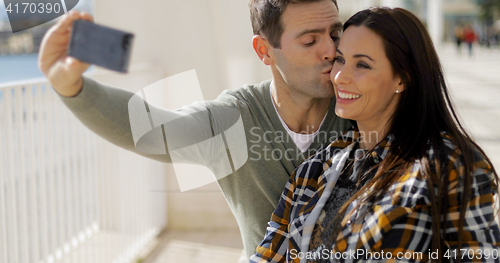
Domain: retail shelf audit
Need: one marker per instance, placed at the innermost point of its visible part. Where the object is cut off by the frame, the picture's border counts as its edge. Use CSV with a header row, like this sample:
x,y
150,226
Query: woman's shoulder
x,y
445,163
451,158
450,152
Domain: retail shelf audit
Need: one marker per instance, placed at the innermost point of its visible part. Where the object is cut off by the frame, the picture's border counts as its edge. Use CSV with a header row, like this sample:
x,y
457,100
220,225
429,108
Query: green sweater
x,y
253,190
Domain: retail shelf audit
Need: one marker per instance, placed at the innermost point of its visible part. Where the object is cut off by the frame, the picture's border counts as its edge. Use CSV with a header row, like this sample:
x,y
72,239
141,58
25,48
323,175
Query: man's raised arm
x,y
63,72
186,135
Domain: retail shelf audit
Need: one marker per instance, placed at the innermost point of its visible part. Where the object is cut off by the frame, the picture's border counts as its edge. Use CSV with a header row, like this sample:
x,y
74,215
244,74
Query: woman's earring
x,y
397,91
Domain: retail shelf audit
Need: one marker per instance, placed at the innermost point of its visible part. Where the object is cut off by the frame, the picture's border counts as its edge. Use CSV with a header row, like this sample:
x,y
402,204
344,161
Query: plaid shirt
x,y
397,227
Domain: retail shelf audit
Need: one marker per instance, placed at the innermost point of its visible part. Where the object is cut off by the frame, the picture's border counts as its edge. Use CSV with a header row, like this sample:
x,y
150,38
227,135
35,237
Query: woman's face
x,y
365,86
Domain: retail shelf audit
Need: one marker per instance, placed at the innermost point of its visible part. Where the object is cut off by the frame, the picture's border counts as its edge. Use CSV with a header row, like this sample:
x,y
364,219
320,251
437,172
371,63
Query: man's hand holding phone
x,y
63,72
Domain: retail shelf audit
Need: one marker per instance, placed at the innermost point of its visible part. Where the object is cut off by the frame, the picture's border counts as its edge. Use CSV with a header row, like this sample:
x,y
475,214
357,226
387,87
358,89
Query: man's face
x,y
304,61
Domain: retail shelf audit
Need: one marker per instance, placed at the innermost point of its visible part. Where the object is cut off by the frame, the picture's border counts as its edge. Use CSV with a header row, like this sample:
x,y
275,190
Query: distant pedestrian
x,y
458,32
497,38
490,37
469,37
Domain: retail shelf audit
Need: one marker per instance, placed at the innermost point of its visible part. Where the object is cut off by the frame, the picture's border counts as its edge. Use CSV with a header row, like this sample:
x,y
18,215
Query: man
x,y
293,113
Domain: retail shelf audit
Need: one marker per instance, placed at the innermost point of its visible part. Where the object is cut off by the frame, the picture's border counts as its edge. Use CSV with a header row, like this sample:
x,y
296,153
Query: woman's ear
x,y
263,49
402,84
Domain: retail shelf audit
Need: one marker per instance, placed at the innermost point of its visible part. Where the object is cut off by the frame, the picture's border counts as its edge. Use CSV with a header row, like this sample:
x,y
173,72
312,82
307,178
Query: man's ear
x,y
263,49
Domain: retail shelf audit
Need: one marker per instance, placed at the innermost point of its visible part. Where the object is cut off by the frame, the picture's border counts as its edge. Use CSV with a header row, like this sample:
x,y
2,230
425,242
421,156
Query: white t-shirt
x,y
302,140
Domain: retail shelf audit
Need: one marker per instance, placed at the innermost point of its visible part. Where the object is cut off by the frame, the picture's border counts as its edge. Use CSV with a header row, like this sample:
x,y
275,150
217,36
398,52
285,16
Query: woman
x,y
406,170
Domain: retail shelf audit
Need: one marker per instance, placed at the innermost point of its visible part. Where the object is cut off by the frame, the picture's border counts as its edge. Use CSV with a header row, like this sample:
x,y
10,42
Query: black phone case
x,y
100,45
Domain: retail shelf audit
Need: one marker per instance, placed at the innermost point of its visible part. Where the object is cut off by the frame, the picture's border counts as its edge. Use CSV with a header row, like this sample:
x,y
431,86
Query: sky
x,y
3,14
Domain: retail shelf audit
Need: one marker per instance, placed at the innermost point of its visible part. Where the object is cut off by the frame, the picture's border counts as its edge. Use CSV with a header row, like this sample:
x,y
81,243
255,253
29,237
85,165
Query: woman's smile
x,y
347,97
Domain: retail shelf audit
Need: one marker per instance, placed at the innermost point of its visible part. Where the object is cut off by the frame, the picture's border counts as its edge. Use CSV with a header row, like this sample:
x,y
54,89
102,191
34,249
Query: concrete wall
x,y
212,36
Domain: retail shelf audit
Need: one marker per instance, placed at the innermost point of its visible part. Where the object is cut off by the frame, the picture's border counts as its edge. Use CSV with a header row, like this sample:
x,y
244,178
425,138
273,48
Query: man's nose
x,y
329,50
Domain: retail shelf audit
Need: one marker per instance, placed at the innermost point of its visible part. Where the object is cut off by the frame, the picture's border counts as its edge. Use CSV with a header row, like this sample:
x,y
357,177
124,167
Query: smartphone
x,y
99,45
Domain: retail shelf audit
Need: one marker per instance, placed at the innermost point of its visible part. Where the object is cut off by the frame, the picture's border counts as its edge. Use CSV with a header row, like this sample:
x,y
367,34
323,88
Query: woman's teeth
x,y
348,96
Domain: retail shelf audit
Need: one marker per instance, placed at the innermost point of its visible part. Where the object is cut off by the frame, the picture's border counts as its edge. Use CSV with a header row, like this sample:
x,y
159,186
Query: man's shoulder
x,y
249,92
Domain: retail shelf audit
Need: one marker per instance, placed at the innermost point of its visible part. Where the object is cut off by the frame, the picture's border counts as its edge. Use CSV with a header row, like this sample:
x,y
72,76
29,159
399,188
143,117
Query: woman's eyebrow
x,y
357,55
363,55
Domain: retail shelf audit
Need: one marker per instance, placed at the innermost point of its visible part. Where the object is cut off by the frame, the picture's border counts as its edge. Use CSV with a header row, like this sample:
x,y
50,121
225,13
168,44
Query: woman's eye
x,y
338,60
363,65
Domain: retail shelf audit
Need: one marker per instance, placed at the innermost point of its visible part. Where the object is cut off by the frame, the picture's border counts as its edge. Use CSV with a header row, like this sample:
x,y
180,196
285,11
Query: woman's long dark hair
x,y
423,112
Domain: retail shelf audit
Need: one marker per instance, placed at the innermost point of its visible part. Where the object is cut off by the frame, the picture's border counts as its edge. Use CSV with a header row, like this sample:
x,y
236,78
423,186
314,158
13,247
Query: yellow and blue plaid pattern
x,y
399,223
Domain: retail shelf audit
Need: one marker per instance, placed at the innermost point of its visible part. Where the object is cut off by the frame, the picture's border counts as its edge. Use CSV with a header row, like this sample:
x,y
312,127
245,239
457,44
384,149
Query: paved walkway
x,y
208,246
474,83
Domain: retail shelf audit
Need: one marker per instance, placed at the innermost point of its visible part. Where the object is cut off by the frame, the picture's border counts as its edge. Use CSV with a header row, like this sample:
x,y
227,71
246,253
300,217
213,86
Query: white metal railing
x,y
65,194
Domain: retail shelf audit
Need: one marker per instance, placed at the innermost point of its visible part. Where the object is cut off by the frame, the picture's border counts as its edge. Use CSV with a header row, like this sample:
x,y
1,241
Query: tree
x,y
489,10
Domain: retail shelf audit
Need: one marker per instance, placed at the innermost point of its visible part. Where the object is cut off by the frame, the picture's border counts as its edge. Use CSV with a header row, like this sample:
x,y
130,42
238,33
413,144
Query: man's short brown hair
x,y
266,17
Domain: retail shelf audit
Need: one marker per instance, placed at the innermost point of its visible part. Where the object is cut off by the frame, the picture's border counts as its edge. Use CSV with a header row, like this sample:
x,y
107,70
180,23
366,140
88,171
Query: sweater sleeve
x,y
191,134
274,247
